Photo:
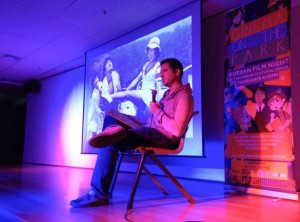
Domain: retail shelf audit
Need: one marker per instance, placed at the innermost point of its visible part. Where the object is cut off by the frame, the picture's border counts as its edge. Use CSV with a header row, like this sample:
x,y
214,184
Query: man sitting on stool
x,y
169,121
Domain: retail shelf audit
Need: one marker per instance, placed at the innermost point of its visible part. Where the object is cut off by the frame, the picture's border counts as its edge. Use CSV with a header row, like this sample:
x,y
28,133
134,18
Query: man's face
x,y
167,74
151,54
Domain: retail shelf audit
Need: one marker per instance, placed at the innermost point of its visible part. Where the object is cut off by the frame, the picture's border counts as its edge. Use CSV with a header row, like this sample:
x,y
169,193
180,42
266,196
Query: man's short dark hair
x,y
174,64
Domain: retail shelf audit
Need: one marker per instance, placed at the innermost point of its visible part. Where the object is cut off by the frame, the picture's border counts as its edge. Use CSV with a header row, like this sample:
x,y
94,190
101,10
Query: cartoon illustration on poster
x,y
257,96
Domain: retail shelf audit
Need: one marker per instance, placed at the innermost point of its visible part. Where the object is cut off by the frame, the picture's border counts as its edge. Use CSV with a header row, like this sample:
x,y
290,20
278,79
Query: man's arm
x,y
178,124
134,82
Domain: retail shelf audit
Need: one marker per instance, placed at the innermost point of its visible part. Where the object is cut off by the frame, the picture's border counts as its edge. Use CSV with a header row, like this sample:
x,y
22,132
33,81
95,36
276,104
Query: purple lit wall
x,y
54,121
54,118
54,115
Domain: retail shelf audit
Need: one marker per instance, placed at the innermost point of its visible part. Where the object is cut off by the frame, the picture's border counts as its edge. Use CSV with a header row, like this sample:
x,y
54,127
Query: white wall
x,y
54,122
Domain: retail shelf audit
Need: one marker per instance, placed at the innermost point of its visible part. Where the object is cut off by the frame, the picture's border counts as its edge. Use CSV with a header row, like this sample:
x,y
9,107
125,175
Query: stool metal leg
x,y
117,168
173,179
152,177
136,180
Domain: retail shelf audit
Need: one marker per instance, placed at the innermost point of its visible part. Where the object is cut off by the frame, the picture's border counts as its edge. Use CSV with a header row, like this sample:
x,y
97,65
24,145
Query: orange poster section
x,y
260,146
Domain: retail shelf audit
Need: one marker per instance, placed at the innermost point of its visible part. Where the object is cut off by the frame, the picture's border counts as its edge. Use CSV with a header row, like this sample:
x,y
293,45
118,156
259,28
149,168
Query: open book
x,y
123,118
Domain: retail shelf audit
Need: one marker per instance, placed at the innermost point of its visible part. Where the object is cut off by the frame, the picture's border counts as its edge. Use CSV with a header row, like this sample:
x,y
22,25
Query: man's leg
x,y
102,174
113,131
105,164
107,157
104,170
144,136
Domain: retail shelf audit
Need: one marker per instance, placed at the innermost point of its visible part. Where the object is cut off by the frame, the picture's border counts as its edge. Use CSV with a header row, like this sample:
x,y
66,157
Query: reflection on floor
x,y
42,193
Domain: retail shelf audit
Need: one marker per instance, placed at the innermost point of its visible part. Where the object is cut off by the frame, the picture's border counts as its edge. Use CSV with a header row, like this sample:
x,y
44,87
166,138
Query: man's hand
x,y
154,107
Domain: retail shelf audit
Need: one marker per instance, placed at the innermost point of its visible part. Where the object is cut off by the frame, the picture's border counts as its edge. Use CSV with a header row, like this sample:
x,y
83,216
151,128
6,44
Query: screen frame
x,y
161,22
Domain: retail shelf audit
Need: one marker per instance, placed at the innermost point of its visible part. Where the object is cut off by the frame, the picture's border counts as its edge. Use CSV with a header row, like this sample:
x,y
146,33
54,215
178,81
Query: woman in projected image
x,y
109,84
95,114
111,81
140,88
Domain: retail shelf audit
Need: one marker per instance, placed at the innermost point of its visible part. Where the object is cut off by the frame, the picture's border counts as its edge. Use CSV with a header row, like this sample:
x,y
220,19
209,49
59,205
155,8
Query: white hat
x,y
153,43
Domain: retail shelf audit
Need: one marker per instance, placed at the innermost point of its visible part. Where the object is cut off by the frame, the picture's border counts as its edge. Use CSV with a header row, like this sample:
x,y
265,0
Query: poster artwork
x,y
257,96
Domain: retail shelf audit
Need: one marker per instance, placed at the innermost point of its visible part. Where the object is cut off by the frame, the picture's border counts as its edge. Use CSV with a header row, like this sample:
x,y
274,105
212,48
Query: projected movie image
x,y
123,78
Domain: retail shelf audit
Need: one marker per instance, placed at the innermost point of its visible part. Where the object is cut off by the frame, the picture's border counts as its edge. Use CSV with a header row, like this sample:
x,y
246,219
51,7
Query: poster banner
x,y
257,97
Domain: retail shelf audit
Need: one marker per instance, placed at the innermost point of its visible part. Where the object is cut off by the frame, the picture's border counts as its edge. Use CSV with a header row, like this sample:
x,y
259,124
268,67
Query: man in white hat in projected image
x,y
140,88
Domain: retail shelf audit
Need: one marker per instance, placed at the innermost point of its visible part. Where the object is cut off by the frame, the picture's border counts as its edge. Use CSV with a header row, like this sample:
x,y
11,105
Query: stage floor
x,y
42,193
